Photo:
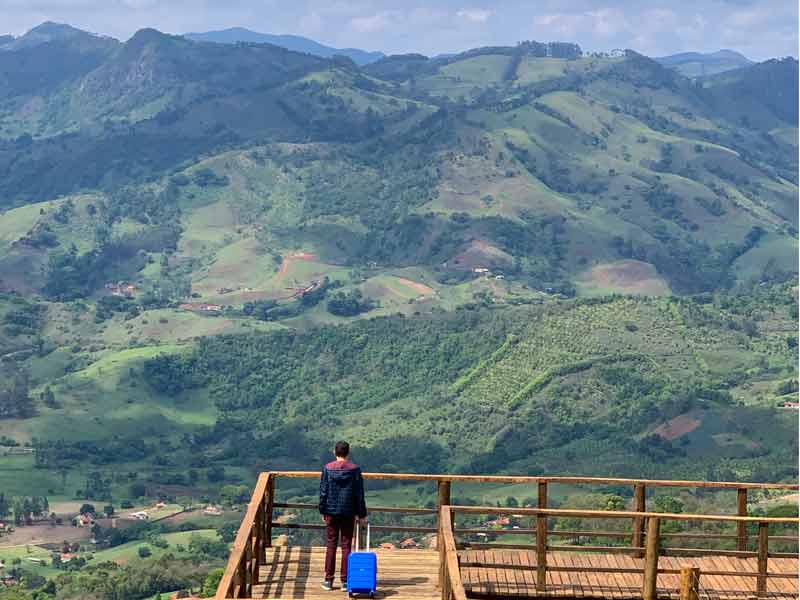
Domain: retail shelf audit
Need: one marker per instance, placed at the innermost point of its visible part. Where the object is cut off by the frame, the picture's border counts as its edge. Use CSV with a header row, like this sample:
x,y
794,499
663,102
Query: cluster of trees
x,y
24,318
15,399
350,304
23,509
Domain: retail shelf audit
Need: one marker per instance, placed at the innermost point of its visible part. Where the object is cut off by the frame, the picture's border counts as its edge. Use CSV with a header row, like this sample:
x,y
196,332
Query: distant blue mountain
x,y
290,42
696,64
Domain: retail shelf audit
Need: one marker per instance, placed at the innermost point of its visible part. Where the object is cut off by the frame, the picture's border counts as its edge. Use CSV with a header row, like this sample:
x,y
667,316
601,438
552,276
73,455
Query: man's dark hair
x,y
342,449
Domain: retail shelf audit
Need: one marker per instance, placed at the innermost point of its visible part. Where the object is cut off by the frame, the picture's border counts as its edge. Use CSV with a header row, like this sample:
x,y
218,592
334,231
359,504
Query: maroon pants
x,y
338,526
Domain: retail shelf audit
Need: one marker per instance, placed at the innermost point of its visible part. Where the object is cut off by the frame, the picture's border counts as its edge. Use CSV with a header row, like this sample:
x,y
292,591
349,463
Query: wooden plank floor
x,y
481,581
297,572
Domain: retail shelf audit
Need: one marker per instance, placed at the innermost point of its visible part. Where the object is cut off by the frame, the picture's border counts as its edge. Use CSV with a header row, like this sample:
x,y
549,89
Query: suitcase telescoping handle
x,y
358,535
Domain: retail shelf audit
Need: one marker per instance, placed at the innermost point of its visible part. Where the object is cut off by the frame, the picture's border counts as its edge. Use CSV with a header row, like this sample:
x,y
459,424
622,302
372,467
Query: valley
x,y
217,257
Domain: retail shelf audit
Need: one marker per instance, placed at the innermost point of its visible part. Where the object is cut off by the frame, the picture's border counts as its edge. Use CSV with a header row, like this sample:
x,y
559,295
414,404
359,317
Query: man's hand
x,y
326,519
363,520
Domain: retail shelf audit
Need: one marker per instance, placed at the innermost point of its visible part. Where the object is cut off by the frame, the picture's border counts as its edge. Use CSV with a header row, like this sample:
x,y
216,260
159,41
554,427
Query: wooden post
x,y
268,515
442,499
637,538
443,493
541,540
690,583
258,545
651,559
763,557
741,527
241,574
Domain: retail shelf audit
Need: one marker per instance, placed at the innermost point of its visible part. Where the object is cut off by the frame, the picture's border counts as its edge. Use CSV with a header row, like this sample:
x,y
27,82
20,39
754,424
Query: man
x,y
341,501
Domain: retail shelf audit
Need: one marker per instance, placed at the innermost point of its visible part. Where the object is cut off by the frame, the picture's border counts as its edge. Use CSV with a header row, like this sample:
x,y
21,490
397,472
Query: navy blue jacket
x,y
341,490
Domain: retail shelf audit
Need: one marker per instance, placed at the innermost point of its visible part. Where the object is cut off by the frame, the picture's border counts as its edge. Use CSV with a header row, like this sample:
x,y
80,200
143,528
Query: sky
x,y
760,29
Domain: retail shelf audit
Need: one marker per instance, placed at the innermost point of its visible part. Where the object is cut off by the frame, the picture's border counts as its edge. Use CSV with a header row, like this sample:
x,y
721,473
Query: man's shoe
x,y
327,586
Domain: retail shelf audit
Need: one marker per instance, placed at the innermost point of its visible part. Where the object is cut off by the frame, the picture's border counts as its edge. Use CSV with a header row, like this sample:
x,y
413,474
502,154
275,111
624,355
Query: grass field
x,y
126,553
40,565
623,277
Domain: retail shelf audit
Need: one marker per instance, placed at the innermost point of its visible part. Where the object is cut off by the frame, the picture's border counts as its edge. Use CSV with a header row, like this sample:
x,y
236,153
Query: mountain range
x,y
514,257
698,64
690,64
290,42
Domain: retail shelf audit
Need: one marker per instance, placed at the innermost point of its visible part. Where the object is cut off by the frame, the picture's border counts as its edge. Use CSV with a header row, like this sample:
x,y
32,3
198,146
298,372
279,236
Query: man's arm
x,y
358,497
323,489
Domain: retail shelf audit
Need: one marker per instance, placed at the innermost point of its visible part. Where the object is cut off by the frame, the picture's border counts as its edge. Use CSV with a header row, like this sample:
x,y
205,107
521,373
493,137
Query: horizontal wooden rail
x,y
612,534
585,569
511,479
372,509
619,514
320,526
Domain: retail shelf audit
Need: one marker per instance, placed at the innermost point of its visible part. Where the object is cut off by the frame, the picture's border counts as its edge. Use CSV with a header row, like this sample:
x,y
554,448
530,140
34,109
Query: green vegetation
x,y
522,259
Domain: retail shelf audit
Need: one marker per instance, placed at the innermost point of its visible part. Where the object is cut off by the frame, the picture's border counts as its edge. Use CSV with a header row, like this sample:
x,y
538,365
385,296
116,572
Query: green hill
x,y
295,43
205,246
699,64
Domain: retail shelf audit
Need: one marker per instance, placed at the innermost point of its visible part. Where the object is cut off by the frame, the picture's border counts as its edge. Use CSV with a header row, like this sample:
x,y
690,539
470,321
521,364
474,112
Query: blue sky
x,y
758,28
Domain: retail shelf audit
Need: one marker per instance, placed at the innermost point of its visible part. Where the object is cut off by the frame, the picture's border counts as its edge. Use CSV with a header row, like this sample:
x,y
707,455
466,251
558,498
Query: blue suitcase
x,y
362,570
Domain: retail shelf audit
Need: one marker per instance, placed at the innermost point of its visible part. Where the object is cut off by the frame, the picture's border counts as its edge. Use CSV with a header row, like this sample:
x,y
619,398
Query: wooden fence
x,y
255,533
652,549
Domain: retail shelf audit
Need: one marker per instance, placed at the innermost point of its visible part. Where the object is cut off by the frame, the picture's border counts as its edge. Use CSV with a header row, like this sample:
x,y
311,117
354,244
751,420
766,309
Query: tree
x,y
349,305
227,532
15,400
668,504
137,490
211,582
144,552
215,474
97,487
49,398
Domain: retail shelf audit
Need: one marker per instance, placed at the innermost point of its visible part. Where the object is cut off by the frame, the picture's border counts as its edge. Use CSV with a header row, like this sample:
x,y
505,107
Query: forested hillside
x,y
480,262
216,258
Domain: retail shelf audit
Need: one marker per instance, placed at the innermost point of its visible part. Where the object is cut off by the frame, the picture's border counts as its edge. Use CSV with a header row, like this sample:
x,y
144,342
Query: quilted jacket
x,y
341,490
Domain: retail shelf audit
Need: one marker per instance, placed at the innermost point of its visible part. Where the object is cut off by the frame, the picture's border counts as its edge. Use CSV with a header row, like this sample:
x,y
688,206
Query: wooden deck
x,y
641,561
521,581
294,572
297,572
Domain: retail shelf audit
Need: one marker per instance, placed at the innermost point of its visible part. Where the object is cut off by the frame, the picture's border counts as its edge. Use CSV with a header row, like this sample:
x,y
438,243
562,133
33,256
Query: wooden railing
x,y
255,533
450,568
652,549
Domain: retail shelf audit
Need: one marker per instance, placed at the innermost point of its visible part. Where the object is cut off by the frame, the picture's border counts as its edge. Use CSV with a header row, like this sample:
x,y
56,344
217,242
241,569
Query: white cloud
x,y
311,23
601,23
475,15
373,23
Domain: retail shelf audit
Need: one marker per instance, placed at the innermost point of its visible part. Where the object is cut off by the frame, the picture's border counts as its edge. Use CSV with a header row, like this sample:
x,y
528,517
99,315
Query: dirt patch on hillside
x,y
286,263
44,534
416,286
677,427
628,277
480,253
